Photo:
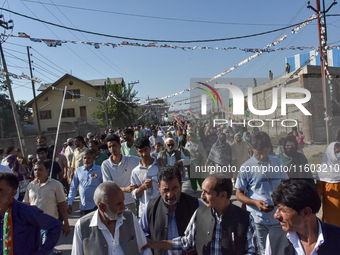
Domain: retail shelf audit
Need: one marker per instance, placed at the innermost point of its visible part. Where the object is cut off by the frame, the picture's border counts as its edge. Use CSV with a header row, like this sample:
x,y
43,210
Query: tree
x,y
6,114
119,114
23,112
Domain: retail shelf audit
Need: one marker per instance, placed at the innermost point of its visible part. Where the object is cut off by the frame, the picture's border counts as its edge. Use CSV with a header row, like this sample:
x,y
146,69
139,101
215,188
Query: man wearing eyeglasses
x,y
173,157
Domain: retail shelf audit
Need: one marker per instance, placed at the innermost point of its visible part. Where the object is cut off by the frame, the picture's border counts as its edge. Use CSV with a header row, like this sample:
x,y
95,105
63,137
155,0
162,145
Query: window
x,y
68,113
44,115
46,99
52,129
74,91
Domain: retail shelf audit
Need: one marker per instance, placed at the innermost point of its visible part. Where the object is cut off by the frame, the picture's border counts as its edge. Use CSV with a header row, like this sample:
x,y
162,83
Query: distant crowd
x,y
129,182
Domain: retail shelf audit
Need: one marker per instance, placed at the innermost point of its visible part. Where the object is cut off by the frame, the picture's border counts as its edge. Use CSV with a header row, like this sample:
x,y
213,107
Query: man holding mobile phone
x,y
258,178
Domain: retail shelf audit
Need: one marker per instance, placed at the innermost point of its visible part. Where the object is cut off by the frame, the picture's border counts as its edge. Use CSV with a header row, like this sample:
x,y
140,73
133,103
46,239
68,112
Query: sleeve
x,y
106,172
242,180
141,239
268,248
252,245
73,165
73,188
186,160
135,180
186,242
44,221
27,198
77,245
60,195
144,223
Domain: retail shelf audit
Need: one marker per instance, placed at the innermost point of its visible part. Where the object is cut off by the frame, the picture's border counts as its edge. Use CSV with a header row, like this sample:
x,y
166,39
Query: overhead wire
x,y
115,66
66,45
49,60
157,17
155,40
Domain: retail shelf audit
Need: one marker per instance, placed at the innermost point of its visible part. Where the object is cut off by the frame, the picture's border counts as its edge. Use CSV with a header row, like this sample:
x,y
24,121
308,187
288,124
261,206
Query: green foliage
x,y
23,112
119,114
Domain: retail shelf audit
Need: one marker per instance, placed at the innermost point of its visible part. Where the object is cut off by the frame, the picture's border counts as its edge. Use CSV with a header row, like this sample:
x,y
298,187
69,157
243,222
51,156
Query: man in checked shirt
x,y
218,228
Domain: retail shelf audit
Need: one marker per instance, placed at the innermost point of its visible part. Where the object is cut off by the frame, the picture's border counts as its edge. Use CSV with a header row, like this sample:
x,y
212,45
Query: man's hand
x,y
162,162
179,163
69,209
150,244
148,183
66,229
129,188
261,205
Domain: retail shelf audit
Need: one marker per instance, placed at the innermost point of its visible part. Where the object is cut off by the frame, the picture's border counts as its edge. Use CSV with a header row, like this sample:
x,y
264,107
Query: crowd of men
x,y
130,188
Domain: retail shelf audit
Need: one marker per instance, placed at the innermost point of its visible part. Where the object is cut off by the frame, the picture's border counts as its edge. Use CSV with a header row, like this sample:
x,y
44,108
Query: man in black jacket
x,y
167,215
218,228
301,232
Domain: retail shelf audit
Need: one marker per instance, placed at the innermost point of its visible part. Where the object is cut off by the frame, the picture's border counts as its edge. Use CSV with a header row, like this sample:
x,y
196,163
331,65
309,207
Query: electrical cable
x,y
156,17
156,40
63,70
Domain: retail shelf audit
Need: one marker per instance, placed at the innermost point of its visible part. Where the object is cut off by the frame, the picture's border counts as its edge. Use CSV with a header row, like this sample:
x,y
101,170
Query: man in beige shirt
x,y
47,194
78,154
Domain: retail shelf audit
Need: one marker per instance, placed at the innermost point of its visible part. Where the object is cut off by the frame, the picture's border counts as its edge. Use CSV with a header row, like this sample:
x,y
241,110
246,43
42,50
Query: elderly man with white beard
x,y
109,229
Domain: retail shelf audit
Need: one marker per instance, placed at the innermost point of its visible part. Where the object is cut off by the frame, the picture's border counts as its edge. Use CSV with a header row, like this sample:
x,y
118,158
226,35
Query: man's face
x,y
144,153
127,137
238,138
114,148
94,147
6,193
115,206
40,172
158,146
170,191
288,217
77,142
41,142
261,155
209,194
154,134
170,145
42,155
88,159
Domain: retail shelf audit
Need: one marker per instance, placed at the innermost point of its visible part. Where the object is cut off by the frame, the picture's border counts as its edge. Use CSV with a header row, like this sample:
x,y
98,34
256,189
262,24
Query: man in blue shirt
x,y
259,176
88,177
27,221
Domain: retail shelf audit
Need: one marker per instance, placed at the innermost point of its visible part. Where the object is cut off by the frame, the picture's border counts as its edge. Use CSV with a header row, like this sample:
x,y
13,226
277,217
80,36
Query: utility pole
x,y
14,107
326,89
106,110
33,88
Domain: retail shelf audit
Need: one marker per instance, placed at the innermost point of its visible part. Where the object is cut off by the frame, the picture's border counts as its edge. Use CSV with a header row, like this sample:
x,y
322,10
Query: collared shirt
x,y
260,180
139,175
46,196
295,240
139,134
69,154
121,173
188,241
100,159
125,150
171,160
114,247
172,227
77,160
27,222
88,181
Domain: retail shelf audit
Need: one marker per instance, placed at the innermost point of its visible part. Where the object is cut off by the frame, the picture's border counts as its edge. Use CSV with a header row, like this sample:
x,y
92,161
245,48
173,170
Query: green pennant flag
x,y
230,102
246,113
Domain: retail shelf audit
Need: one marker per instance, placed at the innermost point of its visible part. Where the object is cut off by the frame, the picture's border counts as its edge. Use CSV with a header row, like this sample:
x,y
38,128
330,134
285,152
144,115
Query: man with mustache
x,y
301,231
109,229
218,228
167,215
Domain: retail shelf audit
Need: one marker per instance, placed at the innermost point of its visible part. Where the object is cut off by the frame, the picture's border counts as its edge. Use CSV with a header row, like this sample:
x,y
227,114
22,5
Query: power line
x,y
156,17
155,40
54,65
66,45
114,68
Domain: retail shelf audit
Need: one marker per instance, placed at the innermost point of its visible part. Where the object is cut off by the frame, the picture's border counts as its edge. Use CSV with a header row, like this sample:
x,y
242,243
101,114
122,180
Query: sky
x,y
160,71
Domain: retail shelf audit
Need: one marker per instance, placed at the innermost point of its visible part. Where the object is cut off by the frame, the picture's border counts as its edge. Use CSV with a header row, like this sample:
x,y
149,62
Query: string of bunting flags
x,y
56,42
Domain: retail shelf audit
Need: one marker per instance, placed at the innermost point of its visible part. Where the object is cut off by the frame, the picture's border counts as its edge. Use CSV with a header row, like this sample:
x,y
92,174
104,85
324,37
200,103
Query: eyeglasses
x,y
170,145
